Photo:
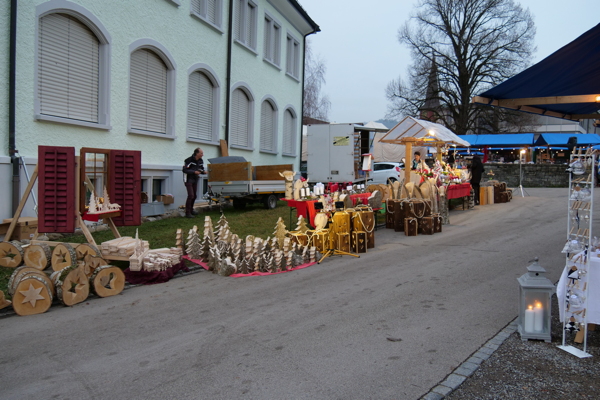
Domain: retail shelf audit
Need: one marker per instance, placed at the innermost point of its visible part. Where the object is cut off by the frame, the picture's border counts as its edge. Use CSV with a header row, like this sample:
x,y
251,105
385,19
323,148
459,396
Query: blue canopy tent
x,y
566,84
562,139
511,140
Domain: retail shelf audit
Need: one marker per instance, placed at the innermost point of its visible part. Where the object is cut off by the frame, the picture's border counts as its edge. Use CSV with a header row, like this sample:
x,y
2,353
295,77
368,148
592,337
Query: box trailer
x,y
335,152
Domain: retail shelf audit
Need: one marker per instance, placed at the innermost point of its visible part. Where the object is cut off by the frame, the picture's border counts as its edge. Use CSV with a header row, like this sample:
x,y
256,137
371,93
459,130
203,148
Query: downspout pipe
x,y
12,93
228,79
315,30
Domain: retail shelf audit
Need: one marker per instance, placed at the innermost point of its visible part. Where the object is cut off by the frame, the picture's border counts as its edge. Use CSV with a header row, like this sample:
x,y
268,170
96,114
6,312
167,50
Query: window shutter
x,y
276,45
148,92
197,7
211,11
68,65
125,174
267,127
200,107
267,44
250,18
288,132
238,27
239,118
56,189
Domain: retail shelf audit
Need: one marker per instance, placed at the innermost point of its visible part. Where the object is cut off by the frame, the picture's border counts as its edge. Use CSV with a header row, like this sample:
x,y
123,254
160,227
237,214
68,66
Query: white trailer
x,y
335,152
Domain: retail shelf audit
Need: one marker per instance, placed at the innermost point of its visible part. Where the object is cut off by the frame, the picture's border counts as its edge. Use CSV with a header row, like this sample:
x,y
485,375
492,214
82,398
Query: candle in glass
x,y
529,319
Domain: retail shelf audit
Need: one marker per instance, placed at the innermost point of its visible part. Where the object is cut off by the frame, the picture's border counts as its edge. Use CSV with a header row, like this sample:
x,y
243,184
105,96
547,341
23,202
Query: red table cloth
x,y
457,191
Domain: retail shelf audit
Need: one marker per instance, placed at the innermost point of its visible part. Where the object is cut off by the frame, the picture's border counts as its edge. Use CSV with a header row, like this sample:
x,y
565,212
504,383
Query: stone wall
x,y
534,175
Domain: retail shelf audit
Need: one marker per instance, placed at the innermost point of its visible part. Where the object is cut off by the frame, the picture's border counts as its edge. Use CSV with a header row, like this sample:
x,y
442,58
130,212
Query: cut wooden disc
x,y
107,280
11,254
72,286
37,256
21,273
91,263
63,256
3,301
85,249
32,296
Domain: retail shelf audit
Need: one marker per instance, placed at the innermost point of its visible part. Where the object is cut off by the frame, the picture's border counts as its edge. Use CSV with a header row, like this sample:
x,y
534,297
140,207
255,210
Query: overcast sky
x,y
358,43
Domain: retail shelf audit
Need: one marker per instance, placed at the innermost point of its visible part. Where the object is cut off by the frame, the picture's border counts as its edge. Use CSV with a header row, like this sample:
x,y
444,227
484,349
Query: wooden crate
x,y
240,171
411,226
25,228
359,241
271,172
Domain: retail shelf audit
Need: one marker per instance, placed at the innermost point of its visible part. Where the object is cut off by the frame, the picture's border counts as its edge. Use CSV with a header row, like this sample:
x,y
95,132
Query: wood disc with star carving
x,y
63,256
37,256
107,280
72,286
32,296
22,272
91,263
85,249
11,254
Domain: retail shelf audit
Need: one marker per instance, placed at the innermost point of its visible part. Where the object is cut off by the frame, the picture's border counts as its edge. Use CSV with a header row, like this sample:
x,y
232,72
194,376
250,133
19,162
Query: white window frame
x,y
243,17
294,133
199,9
104,61
292,67
162,52
243,86
269,99
212,76
176,2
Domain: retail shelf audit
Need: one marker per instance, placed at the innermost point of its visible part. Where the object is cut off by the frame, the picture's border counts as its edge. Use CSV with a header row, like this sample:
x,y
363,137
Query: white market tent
x,y
415,132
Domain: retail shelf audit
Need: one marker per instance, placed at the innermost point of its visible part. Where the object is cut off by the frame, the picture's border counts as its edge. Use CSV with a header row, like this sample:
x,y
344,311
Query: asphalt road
x,y
318,333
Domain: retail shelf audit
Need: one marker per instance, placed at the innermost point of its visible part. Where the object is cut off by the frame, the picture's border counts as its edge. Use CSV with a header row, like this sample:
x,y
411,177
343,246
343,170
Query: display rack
x,y
575,288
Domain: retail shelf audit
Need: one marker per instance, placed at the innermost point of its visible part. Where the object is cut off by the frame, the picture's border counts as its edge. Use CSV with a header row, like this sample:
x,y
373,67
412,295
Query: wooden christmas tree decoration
x,y
107,280
205,248
3,302
11,254
32,296
193,248
301,225
280,232
72,286
208,228
37,256
63,256
179,239
243,266
222,227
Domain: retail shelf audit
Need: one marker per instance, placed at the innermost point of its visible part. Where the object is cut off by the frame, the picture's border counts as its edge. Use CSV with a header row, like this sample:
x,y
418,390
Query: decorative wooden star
x,y
62,256
32,295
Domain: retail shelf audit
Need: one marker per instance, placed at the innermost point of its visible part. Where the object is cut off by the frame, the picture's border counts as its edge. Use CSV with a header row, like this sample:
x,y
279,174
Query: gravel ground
x,y
536,370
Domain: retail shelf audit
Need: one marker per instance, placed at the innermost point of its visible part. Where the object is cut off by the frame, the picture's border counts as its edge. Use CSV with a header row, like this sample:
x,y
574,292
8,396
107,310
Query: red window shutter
x,y
125,174
56,189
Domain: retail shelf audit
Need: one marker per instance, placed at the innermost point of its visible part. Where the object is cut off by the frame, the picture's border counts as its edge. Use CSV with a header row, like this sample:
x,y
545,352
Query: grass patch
x,y
254,220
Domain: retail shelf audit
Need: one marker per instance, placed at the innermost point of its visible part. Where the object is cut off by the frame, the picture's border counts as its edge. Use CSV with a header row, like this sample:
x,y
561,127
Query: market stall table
x,y
593,295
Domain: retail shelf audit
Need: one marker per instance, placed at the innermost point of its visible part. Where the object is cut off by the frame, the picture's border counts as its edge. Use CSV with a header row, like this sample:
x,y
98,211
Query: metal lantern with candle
x,y
535,292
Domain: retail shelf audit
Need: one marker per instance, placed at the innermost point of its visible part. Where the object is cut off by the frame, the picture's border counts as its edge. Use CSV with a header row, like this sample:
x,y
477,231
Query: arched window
x,y
268,127
289,133
202,107
242,121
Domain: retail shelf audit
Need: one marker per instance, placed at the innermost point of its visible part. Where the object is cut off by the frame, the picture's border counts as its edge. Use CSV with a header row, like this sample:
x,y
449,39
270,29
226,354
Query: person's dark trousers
x,y
192,189
475,187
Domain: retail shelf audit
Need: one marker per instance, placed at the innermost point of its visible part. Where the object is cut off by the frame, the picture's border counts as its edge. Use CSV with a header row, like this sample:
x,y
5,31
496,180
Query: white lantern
x,y
535,292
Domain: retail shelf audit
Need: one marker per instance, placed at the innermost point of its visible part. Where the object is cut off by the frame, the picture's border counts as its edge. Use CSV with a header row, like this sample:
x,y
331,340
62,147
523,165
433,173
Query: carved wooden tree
x,y
208,228
301,225
193,248
179,239
222,227
280,232
207,243
243,266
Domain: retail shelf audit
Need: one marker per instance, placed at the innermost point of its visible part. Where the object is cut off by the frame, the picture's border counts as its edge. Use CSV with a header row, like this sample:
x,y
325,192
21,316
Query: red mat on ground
x,y
255,273
153,277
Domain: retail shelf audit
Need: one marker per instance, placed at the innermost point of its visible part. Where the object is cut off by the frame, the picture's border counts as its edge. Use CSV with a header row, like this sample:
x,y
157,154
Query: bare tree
x,y
475,44
315,105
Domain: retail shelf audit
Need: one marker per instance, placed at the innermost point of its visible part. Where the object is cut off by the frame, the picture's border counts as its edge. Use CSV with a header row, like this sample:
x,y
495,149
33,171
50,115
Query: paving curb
x,y
461,373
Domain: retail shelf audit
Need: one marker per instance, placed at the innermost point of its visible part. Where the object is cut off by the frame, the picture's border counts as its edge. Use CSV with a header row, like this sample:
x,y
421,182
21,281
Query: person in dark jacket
x,y
192,168
476,172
